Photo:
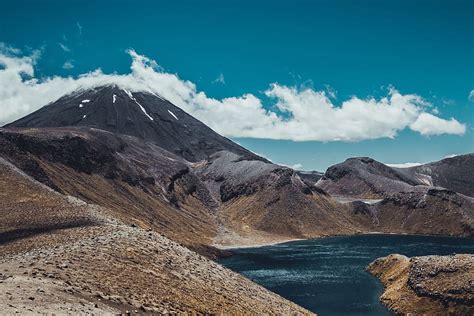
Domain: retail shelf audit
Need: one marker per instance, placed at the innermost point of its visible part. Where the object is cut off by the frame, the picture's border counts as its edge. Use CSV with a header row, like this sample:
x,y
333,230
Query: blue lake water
x,y
328,275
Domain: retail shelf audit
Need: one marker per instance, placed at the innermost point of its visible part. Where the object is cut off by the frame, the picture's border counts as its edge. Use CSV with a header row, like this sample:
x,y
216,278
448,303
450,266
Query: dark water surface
x,y
328,275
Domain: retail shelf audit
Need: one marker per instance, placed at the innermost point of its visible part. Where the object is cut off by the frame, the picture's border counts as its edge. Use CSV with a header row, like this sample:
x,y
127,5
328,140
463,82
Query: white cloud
x,y
471,96
310,114
68,65
64,47
297,166
219,79
428,124
451,156
404,165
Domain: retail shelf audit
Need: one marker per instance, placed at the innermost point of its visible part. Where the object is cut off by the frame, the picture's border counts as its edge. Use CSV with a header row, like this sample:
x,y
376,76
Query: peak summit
x,y
141,114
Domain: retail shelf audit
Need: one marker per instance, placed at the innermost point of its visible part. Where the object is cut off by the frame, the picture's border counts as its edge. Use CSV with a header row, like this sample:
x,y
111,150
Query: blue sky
x,y
357,48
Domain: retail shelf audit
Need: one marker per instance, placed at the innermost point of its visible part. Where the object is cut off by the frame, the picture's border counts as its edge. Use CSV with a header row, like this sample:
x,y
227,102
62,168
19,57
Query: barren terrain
x,y
59,254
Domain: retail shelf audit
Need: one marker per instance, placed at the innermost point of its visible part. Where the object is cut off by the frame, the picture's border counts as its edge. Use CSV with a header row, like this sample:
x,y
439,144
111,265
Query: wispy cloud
x,y
471,96
64,47
297,166
312,115
6,49
68,64
79,27
220,79
331,92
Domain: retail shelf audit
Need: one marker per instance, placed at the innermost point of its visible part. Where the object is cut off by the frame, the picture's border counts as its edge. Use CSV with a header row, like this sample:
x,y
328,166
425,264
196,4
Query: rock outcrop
x,y
429,285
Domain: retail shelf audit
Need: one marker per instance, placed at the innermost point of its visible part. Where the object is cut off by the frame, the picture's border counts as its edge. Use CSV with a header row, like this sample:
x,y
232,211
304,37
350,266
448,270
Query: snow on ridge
x,y
144,111
86,101
81,105
114,98
172,114
141,107
130,95
84,116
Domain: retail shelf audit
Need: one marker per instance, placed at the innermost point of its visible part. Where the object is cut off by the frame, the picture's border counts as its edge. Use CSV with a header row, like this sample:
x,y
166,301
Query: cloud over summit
x,y
309,114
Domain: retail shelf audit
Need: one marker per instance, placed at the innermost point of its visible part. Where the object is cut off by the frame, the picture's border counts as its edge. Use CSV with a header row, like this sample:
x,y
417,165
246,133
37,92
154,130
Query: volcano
x,y
141,114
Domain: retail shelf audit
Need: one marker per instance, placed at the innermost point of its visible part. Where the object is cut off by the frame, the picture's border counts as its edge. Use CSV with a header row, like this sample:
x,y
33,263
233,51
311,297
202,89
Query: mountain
x,y
406,200
367,178
141,114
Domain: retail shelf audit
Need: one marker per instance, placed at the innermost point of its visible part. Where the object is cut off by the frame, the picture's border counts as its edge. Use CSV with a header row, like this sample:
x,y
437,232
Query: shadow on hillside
x,y
21,233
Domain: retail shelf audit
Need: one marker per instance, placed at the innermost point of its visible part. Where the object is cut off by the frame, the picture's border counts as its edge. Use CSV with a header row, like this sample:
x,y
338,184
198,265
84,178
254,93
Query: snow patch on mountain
x,y
141,107
172,114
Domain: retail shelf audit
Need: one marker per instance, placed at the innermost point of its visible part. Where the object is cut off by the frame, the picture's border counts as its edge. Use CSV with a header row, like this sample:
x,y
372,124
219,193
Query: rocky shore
x,y
428,285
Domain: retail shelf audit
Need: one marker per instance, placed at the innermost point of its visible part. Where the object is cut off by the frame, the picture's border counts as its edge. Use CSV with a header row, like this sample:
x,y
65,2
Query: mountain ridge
x,y
234,195
366,177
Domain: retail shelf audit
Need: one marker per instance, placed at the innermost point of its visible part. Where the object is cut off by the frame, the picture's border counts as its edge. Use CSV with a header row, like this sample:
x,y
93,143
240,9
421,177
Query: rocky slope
x,y
430,285
436,211
62,255
267,202
140,182
455,173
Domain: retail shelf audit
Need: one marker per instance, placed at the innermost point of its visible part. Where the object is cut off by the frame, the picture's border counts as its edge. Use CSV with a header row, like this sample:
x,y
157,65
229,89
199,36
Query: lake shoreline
x,y
321,273
284,241
259,245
